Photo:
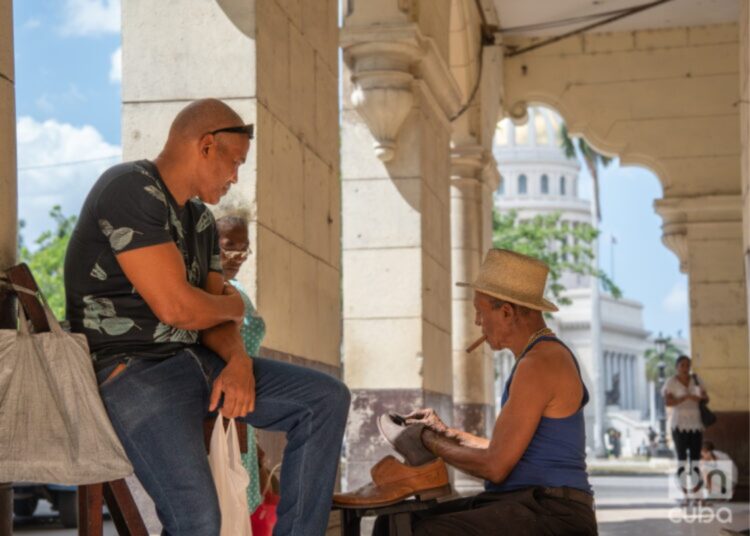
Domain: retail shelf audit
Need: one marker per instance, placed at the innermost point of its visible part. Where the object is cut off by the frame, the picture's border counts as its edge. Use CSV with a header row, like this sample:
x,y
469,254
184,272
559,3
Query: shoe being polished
x,y
393,481
405,439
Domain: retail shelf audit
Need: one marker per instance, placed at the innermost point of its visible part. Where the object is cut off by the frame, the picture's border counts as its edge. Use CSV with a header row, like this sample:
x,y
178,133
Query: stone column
x,y
606,370
277,66
706,233
744,105
276,63
473,408
473,174
8,203
398,95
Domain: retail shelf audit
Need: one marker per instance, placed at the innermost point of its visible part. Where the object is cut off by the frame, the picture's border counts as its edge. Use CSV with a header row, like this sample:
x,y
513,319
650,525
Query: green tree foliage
x,y
566,248
592,159
46,261
671,353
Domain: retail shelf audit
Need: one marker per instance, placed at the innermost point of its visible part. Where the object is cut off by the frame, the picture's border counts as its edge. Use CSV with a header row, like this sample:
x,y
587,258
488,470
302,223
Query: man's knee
x,y
336,397
338,400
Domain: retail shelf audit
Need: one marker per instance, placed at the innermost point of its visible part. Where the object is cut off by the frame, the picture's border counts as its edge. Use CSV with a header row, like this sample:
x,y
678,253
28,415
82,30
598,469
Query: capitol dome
x,y
537,177
540,131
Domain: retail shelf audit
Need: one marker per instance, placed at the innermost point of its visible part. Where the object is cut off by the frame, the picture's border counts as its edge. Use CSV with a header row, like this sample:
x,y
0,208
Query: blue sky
x,y
68,106
67,102
644,269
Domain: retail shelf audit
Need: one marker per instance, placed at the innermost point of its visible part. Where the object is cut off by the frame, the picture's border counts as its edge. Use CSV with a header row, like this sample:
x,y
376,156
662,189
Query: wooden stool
x,y
399,516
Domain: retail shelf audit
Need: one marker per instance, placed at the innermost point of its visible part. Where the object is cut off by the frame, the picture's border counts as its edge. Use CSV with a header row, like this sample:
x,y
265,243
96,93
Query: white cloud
x,y
43,183
90,17
677,299
115,67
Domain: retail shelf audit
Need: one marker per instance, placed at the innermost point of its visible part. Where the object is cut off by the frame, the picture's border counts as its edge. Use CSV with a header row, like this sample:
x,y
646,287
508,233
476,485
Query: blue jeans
x,y
157,408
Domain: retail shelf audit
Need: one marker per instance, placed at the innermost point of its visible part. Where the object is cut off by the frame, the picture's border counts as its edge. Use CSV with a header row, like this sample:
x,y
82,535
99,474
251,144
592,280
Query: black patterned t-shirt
x,y
130,207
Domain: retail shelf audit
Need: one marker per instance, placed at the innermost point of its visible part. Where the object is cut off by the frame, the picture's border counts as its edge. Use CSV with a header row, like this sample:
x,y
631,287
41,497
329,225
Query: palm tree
x,y
592,159
671,353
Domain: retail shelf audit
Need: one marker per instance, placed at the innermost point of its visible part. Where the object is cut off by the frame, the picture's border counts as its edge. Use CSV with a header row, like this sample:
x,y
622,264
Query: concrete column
x,y
719,333
278,67
472,402
631,372
8,202
628,382
621,378
744,105
707,233
607,370
396,224
276,63
8,186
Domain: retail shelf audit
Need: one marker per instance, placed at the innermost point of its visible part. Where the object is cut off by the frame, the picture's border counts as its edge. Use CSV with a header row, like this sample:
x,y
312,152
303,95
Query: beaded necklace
x,y
545,331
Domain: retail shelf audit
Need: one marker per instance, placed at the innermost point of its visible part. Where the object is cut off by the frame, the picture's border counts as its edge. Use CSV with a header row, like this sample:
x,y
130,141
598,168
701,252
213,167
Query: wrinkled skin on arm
x,y
493,459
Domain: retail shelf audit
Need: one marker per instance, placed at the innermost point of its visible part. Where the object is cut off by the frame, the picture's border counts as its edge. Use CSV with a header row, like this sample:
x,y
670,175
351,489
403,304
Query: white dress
x,y
685,416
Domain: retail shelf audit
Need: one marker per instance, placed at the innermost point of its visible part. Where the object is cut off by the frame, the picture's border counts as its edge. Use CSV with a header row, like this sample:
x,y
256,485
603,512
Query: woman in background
x,y
683,393
234,247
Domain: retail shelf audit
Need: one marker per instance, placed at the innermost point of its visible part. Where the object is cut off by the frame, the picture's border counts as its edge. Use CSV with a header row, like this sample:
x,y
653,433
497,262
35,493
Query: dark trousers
x,y
526,512
687,442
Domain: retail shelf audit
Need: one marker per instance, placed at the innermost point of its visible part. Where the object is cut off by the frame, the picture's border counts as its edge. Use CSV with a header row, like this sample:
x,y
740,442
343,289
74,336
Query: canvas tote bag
x,y
53,425
230,478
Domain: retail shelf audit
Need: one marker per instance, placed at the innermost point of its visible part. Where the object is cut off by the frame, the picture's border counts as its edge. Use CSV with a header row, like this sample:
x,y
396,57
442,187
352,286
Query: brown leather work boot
x,y
392,481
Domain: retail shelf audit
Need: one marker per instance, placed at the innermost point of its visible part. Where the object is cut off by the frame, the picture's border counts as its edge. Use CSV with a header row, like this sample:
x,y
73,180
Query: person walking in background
x,y
683,393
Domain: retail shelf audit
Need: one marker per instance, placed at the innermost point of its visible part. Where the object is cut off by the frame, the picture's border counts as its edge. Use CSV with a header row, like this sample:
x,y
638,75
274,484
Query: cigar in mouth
x,y
476,344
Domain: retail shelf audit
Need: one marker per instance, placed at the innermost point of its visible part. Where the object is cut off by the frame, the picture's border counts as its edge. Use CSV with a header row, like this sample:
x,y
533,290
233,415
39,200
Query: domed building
x,y
538,179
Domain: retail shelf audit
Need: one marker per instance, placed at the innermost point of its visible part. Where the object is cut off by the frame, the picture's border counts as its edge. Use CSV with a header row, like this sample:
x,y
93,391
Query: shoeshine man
x,y
144,283
534,463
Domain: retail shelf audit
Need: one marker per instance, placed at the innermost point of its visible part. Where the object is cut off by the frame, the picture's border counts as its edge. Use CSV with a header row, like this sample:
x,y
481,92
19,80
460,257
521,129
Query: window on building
x,y
562,185
545,184
574,182
501,188
522,184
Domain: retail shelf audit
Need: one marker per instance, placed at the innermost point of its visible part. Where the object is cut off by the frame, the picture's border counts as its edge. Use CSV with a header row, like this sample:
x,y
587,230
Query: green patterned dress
x,y
253,330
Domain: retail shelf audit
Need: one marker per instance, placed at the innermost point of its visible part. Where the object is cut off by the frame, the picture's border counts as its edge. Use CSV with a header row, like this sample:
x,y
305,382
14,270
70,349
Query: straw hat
x,y
514,278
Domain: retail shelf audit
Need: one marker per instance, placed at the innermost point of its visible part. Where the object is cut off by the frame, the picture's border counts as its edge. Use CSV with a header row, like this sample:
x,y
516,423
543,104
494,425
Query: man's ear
x,y
205,144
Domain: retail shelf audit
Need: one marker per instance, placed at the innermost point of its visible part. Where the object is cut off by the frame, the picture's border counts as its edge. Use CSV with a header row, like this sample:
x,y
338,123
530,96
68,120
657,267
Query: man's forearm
x,y
198,309
466,439
225,340
474,461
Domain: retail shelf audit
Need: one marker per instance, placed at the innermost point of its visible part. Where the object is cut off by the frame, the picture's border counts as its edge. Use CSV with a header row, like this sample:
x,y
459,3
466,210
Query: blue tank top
x,y
556,455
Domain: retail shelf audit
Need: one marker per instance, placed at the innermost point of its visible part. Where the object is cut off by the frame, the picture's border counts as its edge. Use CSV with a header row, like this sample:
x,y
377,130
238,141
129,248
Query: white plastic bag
x,y
230,478
53,425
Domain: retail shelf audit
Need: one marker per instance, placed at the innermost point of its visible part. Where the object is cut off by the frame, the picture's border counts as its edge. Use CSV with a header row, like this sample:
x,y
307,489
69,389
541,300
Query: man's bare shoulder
x,y
549,355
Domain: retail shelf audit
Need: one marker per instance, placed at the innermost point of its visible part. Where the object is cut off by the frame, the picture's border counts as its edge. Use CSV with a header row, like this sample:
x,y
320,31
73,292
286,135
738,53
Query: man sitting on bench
x,y
534,463
144,284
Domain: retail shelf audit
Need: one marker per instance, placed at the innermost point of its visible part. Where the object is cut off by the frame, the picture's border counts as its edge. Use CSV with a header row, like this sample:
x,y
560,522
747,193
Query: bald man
x,y
144,284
